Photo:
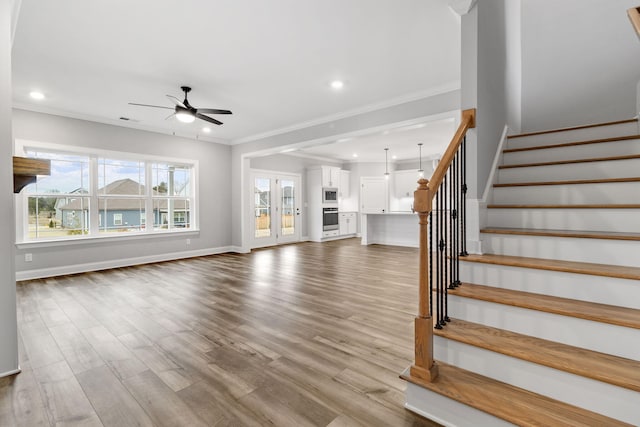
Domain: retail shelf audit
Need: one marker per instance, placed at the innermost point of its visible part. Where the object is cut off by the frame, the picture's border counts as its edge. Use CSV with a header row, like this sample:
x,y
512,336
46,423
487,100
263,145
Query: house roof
x,y
125,187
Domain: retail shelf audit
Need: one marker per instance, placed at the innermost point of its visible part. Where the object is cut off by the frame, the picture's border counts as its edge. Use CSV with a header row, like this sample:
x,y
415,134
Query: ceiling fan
x,y
185,112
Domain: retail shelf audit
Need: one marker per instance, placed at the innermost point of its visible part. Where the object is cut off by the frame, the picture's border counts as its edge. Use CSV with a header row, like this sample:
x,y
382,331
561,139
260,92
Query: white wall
x,y
580,62
8,325
513,77
415,109
214,192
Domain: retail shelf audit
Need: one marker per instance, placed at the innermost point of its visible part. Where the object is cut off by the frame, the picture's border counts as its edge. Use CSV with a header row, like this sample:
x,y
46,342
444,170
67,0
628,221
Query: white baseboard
x,y
12,372
239,249
116,263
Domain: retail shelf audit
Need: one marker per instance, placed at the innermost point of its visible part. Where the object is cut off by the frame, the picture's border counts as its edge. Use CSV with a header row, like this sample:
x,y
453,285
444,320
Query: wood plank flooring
x,y
299,335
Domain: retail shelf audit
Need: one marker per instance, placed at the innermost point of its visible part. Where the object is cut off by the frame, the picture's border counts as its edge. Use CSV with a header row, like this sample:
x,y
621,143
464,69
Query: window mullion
x,y
94,207
148,203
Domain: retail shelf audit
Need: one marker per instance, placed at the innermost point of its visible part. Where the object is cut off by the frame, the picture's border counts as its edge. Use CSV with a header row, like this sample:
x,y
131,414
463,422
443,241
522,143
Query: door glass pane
x,y
262,194
287,191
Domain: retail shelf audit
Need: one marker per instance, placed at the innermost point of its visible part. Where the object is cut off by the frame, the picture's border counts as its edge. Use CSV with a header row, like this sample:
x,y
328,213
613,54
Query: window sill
x,y
105,239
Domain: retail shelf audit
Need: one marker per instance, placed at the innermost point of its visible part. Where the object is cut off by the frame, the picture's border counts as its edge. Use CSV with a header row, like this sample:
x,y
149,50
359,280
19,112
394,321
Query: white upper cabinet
x,y
374,196
330,176
345,184
405,183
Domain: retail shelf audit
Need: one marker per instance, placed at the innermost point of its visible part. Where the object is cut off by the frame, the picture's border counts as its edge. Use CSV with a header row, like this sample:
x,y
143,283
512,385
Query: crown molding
x,y
451,86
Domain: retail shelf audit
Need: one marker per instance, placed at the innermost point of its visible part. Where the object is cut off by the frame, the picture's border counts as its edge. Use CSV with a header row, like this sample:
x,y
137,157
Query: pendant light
x,y
386,163
420,170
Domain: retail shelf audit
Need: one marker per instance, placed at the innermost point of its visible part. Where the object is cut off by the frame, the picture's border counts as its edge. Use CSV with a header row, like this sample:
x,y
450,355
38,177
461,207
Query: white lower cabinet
x,y
348,223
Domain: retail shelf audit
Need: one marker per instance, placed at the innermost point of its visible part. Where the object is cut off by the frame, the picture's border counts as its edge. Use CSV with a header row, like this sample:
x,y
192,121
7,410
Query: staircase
x,y
545,329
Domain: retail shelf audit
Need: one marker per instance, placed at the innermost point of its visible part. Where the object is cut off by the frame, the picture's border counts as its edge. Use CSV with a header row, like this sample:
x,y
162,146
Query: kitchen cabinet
x,y
330,176
405,183
348,222
345,184
374,194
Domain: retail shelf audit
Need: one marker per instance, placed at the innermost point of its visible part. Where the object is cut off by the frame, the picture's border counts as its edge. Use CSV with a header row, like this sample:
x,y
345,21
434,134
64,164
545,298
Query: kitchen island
x,y
390,228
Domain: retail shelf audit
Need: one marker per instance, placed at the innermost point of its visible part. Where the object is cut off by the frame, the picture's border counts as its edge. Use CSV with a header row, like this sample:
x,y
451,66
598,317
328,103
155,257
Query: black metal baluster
x,y
456,214
446,184
439,260
463,216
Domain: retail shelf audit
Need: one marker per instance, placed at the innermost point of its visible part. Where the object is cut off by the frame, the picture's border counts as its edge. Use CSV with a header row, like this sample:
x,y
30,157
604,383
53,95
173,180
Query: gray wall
x,y
420,108
8,326
484,86
580,62
214,192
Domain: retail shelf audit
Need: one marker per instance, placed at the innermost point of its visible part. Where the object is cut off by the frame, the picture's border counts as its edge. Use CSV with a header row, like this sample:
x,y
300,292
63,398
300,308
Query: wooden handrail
x,y
424,366
634,16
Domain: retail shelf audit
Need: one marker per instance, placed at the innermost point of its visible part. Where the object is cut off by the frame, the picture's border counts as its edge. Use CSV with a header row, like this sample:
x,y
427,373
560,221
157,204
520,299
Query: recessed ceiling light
x,y
36,95
206,130
355,155
394,157
337,84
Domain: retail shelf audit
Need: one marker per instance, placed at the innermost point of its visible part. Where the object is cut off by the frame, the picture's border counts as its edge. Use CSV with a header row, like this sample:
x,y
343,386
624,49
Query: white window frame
x,y
21,205
117,219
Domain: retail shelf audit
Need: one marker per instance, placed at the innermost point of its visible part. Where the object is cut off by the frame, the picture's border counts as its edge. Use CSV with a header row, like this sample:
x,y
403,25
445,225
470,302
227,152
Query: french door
x,y
275,208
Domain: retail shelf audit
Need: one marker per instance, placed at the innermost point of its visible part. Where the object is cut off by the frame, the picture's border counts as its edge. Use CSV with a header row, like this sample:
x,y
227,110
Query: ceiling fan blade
x,y
213,111
208,119
175,100
147,105
169,116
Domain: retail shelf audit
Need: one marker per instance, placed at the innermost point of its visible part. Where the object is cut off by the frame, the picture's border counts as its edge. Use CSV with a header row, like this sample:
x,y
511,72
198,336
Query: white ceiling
x,y
401,141
270,62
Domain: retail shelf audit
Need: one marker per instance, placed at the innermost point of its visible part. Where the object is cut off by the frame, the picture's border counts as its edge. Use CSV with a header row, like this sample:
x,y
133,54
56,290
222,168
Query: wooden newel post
x,y
424,367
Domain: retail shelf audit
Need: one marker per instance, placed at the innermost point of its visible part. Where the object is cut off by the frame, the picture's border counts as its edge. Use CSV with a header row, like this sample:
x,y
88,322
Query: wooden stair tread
x,y
571,144
613,315
513,404
569,182
543,132
605,270
603,367
565,162
608,235
589,206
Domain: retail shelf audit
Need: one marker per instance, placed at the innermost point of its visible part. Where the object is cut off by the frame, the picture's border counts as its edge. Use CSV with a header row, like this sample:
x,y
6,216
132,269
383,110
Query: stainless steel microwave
x,y
329,195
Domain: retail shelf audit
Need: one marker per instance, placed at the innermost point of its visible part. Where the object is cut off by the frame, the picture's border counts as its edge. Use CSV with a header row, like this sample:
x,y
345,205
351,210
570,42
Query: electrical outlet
x,y
28,257
188,242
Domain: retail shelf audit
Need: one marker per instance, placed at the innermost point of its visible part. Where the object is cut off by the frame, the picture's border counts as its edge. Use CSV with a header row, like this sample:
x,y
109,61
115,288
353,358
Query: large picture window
x,y
91,194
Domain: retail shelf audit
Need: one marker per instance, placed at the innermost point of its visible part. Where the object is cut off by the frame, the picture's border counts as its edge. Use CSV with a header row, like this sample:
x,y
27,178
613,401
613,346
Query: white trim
x,y
445,88
11,372
116,263
117,122
239,250
15,14
497,159
105,239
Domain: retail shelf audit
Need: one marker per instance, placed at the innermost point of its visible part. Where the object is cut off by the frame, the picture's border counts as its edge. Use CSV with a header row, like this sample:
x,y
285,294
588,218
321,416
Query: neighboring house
x,y
61,202
121,213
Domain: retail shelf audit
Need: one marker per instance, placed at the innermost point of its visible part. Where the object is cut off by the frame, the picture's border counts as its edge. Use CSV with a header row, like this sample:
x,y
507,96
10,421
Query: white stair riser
x,y
592,395
574,152
445,411
575,135
617,220
564,172
570,194
583,287
596,336
600,251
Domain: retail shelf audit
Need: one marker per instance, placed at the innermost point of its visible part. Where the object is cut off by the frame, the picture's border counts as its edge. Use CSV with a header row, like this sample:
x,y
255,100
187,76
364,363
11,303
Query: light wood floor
x,y
299,335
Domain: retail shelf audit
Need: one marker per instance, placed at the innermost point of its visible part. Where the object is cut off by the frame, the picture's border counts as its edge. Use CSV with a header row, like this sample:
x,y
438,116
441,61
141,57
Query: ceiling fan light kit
x,y
185,112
